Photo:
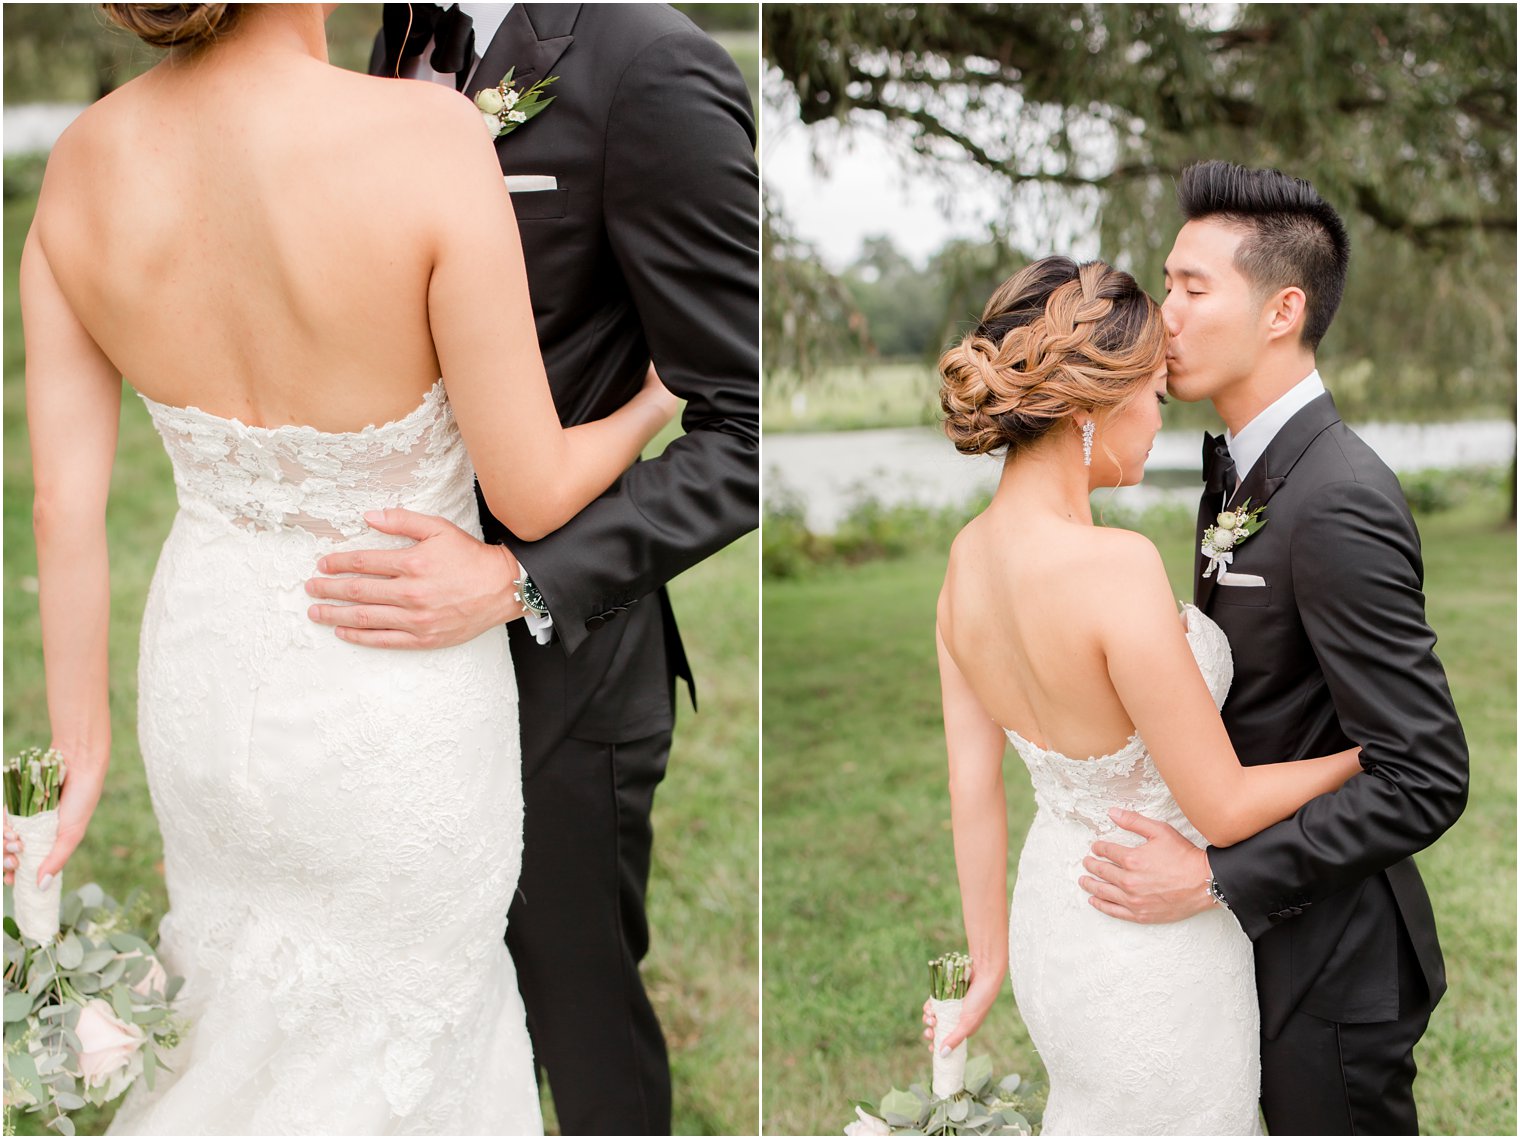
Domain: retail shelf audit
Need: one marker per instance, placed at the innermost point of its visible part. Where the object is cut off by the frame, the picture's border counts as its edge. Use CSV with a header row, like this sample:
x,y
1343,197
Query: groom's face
x,y
1210,313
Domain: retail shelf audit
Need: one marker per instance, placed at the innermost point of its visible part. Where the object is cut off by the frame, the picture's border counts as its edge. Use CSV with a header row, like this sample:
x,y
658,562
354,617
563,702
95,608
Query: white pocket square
x,y
1228,578
530,183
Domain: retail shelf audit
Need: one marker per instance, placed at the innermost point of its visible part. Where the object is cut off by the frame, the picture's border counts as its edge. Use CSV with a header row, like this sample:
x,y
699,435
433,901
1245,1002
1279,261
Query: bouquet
x,y
33,782
962,1098
87,1012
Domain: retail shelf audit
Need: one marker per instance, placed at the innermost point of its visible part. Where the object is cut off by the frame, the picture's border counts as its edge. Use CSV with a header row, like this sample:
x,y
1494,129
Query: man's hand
x,y
1164,879
446,590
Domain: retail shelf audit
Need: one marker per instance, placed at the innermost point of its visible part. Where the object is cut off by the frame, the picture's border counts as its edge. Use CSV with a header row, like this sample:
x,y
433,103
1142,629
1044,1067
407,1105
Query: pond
x,y
829,472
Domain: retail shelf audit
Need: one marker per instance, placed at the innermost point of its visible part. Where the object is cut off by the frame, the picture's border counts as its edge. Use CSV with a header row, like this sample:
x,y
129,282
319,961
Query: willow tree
x,y
1402,115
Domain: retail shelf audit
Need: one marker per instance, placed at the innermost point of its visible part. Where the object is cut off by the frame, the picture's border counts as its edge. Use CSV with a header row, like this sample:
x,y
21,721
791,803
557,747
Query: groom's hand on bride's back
x,y
447,589
1164,879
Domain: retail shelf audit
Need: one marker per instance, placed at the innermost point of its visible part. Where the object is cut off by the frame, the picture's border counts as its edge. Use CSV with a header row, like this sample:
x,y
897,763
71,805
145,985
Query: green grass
x,y
860,886
702,968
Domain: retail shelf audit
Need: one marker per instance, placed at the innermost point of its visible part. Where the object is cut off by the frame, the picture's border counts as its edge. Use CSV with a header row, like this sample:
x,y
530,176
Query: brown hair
x,y
1055,338
190,26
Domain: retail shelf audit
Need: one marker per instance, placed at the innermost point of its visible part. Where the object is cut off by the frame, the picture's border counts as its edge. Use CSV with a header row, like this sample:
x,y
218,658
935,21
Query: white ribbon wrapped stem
x,y
36,910
1222,558
949,1071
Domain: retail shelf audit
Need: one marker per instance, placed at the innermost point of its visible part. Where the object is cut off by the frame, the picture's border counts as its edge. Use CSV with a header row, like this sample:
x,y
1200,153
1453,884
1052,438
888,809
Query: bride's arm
x,y
536,474
73,406
1162,690
979,822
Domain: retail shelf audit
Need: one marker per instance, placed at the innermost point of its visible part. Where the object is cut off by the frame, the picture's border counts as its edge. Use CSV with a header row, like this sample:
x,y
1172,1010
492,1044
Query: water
x,y
33,128
829,472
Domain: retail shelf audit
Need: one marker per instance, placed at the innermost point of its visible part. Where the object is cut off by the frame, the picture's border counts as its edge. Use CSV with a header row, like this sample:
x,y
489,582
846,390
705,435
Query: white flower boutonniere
x,y
504,108
1229,530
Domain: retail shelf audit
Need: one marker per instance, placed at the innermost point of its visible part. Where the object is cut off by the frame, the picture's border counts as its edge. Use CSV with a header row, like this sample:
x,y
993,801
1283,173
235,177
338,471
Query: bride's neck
x,y
266,33
1045,480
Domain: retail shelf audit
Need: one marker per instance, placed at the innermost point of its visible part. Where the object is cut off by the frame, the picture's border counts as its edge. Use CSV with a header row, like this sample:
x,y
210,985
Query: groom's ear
x,y
1285,314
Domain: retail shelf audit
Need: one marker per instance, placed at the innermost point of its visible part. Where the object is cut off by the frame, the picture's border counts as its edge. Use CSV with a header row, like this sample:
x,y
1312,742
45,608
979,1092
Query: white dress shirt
x,y
1248,447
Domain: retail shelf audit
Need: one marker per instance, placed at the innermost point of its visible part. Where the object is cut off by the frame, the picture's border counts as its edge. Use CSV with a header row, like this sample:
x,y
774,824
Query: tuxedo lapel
x,y
1263,480
531,39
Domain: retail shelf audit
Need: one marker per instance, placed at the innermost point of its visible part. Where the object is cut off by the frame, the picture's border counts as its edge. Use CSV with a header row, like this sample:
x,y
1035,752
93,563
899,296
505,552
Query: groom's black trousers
x,y
577,933
1320,1077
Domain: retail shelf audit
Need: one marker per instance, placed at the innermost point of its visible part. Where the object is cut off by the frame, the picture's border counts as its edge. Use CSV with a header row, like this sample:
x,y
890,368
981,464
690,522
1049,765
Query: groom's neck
x,y
1272,378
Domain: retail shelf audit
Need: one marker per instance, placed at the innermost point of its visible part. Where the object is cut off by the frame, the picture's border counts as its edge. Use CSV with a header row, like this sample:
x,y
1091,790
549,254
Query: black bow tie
x,y
452,33
1218,465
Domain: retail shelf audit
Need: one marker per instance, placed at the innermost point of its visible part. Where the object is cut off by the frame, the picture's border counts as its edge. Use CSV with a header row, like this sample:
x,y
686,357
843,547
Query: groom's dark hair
x,y
1294,236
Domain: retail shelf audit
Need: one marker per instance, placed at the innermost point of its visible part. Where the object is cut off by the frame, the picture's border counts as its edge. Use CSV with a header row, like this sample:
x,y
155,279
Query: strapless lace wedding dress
x,y
1143,1029
342,825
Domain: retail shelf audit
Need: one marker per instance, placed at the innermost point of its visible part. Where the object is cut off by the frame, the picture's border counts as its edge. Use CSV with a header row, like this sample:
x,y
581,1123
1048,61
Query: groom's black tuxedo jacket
x,y
1334,650
646,249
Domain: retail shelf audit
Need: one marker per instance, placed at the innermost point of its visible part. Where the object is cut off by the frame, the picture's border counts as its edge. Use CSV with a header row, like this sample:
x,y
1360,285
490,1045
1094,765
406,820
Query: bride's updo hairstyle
x,y
188,26
1055,339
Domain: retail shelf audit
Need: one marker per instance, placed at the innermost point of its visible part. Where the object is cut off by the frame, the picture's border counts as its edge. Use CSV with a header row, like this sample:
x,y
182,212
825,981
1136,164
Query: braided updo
x,y
1056,338
188,26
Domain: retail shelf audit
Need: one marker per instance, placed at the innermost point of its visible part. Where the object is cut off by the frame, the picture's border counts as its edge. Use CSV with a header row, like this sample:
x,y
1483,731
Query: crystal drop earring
x,y
1087,438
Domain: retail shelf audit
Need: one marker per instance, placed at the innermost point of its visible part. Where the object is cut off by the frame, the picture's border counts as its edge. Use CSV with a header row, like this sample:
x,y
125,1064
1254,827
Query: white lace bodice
x,y
299,478
1083,790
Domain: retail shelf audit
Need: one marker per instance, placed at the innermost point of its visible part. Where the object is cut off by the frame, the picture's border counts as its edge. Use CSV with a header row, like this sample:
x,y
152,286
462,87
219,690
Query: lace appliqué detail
x,y
273,478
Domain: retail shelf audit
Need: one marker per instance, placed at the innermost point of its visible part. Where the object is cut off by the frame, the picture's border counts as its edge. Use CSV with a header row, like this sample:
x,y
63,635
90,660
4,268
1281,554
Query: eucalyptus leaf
x,y
14,1031
978,1073
12,930
68,1102
150,1066
91,894
63,1124
113,972
1010,1084
50,1062
959,1109
1013,1119
69,911
905,1105
96,960
86,983
175,984
72,1040
937,1119
18,1005
121,1002
136,969
41,977
23,1068
127,942
149,1015
47,1012
70,952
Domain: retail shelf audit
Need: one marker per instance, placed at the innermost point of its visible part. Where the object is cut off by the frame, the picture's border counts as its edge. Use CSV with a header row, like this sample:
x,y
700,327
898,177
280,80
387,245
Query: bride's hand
x,y
978,1002
76,803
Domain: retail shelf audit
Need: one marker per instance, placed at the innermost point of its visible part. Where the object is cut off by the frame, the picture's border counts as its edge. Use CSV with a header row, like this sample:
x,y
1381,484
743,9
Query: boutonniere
x,y
1229,530
505,108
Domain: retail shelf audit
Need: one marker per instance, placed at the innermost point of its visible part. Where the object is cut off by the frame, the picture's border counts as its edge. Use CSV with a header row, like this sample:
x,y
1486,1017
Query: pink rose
x,y
155,980
107,1047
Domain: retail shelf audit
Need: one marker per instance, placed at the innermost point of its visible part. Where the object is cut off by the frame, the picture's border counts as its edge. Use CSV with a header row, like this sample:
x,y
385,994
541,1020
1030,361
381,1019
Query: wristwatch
x,y
528,595
1212,886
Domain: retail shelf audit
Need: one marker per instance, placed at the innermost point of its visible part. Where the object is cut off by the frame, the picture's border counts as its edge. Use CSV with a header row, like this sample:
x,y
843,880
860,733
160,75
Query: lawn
x,y
860,886
702,970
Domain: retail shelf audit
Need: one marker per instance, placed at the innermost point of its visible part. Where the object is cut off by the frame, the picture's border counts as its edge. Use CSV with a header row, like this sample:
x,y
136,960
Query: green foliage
x,y
868,531
1403,116
981,1107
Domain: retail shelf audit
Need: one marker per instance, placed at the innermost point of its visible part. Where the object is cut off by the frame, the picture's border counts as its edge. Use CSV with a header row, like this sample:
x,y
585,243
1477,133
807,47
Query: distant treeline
x,y
70,53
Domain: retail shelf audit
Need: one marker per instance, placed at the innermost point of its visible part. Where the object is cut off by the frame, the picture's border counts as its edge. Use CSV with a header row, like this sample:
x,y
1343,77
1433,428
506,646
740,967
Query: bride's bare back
x,y
249,232
1020,613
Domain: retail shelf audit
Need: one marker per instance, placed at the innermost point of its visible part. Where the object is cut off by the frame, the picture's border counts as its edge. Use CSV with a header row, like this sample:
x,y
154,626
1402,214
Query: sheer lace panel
x,y
296,477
